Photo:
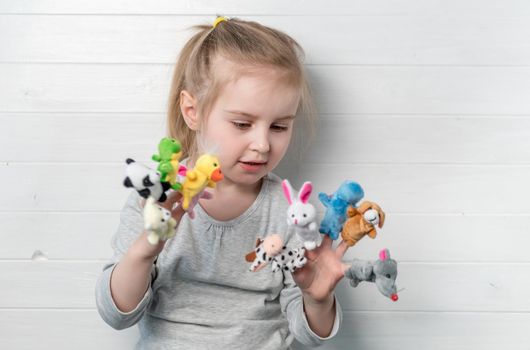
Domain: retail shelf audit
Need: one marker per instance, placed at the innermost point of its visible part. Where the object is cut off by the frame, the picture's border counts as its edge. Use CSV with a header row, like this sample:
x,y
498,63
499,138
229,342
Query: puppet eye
x,y
388,275
305,215
292,216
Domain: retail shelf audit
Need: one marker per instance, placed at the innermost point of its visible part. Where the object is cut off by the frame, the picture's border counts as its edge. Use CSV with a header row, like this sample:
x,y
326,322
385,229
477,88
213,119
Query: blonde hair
x,y
247,44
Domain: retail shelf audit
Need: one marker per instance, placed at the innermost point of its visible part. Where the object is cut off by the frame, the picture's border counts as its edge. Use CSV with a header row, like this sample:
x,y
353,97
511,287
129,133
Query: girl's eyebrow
x,y
256,117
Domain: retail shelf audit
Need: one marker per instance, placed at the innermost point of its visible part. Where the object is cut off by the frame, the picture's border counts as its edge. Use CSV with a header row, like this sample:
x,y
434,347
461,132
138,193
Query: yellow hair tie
x,y
219,20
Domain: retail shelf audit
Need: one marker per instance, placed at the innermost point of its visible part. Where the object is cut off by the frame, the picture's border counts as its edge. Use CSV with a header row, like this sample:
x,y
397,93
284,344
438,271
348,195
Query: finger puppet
x,y
348,194
194,200
205,173
271,250
382,272
169,153
361,222
301,214
158,222
145,180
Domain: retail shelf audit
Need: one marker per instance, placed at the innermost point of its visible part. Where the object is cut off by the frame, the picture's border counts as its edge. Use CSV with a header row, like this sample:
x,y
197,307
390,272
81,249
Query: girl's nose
x,y
260,142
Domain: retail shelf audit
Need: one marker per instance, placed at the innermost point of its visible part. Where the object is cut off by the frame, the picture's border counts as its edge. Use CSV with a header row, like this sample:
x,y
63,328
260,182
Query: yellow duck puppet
x,y
205,173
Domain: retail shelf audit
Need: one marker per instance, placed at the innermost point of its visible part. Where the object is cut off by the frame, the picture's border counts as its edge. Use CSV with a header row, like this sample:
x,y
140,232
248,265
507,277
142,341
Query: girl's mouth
x,y
251,166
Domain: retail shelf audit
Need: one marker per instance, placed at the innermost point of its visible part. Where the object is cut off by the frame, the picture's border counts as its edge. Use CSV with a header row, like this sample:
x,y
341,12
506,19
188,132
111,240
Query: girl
x,y
237,85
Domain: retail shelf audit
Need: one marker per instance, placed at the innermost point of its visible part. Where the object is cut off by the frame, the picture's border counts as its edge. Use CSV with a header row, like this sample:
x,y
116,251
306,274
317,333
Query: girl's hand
x,y
323,270
141,246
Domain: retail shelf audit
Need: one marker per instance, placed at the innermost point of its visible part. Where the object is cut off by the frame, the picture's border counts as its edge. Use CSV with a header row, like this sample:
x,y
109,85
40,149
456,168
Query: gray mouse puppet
x,y
382,271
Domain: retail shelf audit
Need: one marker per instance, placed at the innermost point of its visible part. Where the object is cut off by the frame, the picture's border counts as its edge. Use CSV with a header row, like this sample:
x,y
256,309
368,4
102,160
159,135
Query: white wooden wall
x,y
426,103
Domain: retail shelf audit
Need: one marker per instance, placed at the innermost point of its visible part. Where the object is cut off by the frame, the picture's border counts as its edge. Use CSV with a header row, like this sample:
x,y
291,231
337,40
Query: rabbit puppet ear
x,y
288,191
305,192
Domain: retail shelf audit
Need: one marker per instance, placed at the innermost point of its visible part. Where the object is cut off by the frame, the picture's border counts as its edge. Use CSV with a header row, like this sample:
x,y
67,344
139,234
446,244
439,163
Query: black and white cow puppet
x,y
271,250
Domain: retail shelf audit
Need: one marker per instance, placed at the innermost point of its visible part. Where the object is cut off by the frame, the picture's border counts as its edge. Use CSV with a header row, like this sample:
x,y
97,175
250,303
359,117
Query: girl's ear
x,y
305,192
288,191
188,107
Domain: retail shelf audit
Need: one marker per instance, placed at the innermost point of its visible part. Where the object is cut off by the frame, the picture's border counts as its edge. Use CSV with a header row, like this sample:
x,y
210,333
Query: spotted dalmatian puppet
x,y
271,250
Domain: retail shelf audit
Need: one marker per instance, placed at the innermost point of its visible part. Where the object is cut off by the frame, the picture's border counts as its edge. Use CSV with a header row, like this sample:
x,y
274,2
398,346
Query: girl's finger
x,y
341,249
327,241
311,255
178,212
345,267
206,195
172,198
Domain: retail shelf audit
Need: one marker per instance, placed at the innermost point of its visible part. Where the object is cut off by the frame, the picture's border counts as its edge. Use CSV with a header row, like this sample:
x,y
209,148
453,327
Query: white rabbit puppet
x,y
302,214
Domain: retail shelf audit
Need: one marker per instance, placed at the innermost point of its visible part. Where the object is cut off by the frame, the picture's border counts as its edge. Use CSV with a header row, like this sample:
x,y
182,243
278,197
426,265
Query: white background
x,y
424,102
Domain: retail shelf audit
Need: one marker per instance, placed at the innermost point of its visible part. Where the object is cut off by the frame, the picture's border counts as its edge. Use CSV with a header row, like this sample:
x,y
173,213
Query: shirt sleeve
x,y
291,302
292,306
130,227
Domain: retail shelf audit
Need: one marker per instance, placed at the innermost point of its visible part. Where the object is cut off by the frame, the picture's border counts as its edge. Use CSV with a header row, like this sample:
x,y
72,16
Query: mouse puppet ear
x,y
384,254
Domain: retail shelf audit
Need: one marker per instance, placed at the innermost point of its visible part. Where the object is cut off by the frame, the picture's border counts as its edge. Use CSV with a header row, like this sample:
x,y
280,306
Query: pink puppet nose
x,y
394,297
295,221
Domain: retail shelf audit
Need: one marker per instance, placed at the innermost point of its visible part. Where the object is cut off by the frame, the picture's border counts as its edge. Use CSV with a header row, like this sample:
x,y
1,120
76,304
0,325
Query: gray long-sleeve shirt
x,y
202,294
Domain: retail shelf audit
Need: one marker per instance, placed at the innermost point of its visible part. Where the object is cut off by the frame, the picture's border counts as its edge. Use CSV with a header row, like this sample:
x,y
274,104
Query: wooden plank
x,y
421,139
338,89
58,235
61,329
49,284
69,137
430,8
449,238
428,287
409,188
369,39
411,238
74,137
64,187
446,287
436,331
84,329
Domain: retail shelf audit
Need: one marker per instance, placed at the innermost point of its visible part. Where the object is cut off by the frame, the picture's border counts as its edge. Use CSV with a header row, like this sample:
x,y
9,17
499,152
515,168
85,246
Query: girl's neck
x,y
229,200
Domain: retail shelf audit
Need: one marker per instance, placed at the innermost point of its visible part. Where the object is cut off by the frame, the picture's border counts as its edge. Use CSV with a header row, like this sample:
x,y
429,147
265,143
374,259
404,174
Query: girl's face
x,y
251,123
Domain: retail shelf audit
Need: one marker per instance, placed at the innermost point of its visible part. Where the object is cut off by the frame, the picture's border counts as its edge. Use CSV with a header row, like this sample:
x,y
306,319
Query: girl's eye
x,y
279,127
240,125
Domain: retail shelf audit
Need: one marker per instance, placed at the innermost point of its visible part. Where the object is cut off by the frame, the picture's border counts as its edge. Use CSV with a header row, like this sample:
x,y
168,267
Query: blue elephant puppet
x,y
348,194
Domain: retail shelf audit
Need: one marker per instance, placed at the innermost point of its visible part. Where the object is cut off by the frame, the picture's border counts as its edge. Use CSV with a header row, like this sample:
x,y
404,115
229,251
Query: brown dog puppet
x,y
361,222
